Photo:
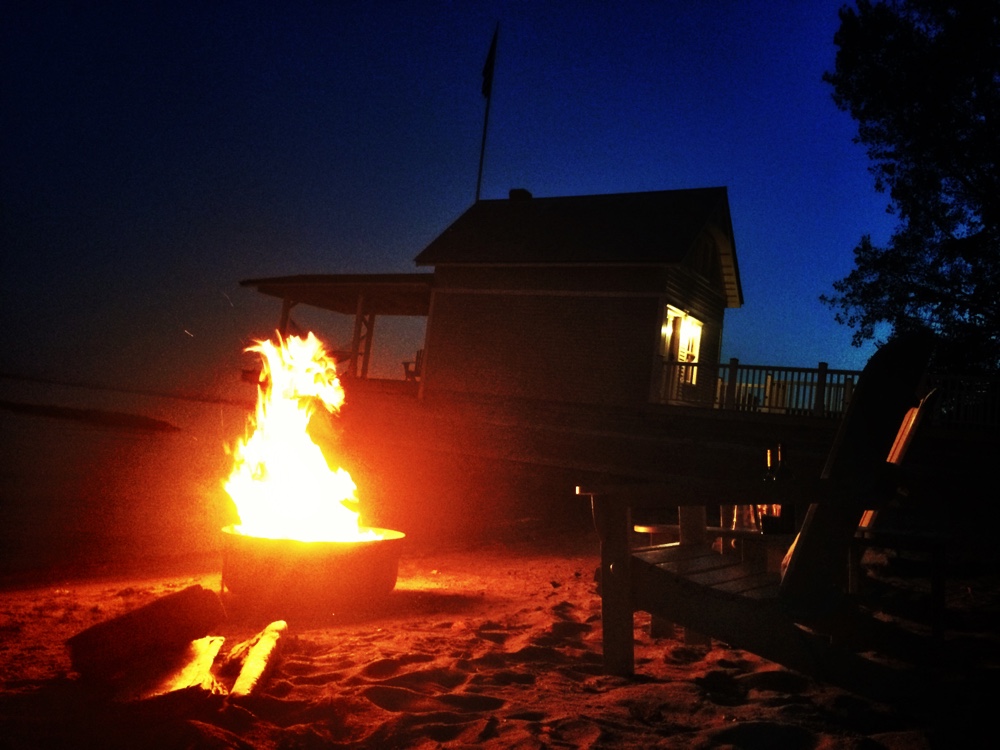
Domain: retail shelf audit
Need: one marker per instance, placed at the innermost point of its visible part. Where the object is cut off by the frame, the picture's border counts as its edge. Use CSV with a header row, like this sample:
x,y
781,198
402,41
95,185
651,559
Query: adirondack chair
x,y
802,615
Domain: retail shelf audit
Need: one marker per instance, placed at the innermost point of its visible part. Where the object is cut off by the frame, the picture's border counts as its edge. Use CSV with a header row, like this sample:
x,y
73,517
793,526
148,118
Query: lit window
x,y
681,341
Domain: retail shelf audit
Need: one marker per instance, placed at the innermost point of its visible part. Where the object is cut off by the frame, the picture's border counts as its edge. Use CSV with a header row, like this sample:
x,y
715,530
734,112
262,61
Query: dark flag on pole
x,y
491,57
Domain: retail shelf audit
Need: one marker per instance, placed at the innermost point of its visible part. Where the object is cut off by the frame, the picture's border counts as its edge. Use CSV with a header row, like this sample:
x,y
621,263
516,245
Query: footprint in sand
x,y
565,610
576,732
685,654
763,734
402,700
383,668
439,679
722,689
535,654
503,678
569,630
775,681
493,635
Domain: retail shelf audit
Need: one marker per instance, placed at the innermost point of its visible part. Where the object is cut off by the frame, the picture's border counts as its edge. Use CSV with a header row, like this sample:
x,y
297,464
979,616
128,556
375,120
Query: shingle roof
x,y
654,227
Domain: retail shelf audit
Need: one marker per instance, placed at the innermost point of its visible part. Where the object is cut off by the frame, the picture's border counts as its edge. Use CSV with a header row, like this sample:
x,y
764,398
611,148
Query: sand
x,y
486,644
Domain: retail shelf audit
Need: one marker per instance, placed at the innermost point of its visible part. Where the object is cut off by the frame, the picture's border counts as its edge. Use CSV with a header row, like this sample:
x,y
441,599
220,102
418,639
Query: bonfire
x,y
282,483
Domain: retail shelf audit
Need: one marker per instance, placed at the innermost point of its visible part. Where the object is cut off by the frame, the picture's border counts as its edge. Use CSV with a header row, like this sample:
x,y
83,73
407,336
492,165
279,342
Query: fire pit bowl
x,y
310,574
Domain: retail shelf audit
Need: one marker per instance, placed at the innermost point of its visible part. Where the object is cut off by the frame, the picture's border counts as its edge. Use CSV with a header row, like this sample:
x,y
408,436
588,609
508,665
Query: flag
x,y
491,57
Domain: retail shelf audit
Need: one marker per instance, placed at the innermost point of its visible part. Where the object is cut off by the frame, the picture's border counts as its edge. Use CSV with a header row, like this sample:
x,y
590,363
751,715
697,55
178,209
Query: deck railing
x,y
819,391
968,400
813,391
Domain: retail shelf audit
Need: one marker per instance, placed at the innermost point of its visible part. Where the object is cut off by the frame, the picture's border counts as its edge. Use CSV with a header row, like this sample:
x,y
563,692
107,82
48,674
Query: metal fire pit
x,y
310,574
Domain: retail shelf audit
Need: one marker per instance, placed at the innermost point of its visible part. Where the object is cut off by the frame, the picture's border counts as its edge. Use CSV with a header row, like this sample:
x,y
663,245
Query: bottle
x,y
780,509
772,519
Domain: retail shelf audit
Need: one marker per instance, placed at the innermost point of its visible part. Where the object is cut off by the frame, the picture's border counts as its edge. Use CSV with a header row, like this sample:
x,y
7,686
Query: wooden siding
x,y
603,279
586,334
577,334
691,292
565,348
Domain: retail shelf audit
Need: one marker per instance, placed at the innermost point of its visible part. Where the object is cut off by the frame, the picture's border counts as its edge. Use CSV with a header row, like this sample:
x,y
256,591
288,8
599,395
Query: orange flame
x,y
281,483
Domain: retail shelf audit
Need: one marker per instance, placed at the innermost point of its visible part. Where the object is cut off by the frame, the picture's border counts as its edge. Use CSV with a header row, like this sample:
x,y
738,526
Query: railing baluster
x,y
817,391
820,391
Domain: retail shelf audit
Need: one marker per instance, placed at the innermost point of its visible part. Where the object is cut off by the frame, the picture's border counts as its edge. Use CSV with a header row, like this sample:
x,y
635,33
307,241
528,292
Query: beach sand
x,y
492,644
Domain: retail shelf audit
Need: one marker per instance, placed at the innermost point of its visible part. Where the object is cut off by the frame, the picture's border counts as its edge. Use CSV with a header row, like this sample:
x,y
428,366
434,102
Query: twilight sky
x,y
155,154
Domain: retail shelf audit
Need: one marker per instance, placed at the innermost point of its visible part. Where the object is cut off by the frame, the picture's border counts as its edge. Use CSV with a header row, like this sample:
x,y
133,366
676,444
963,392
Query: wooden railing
x,y
968,400
814,391
819,391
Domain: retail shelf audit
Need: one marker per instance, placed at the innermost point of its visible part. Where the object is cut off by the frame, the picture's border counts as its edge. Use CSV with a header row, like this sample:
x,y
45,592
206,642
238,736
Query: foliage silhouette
x,y
922,80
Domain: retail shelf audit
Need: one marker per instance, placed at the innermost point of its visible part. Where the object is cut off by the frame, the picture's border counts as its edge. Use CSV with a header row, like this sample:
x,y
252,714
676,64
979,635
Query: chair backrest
x,y
908,429
855,470
897,454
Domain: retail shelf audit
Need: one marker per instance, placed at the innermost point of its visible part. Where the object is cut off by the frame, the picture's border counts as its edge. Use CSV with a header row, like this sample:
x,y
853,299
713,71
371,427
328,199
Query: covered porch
x,y
363,296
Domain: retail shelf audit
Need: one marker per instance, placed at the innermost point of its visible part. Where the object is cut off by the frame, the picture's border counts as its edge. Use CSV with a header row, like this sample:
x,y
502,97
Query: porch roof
x,y
407,294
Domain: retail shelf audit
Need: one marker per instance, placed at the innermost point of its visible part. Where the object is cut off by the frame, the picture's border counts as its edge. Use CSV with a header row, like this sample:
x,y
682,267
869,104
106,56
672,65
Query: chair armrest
x,y
920,541
612,507
672,492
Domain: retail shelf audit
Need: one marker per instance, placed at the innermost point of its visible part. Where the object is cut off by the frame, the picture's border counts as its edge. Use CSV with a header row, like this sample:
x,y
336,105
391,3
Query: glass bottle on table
x,y
777,516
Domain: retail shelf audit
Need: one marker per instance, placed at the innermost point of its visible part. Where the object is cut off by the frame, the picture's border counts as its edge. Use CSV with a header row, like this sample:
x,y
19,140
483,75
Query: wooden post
x,y
367,353
848,392
617,623
427,338
819,399
359,316
938,599
692,523
734,365
286,313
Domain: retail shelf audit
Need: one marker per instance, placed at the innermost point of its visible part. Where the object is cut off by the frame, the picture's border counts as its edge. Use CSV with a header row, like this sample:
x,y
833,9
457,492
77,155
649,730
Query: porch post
x,y
359,316
819,399
369,321
614,522
286,311
734,365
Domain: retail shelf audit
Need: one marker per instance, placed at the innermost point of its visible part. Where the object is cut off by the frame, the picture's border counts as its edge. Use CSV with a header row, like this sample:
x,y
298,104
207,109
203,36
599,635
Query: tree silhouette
x,y
922,80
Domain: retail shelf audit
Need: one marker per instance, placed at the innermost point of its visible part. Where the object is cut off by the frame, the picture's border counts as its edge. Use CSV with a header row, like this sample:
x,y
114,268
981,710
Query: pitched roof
x,y
654,227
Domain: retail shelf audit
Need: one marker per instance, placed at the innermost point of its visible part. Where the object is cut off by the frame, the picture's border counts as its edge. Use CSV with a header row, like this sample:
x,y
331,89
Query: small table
x,y
750,543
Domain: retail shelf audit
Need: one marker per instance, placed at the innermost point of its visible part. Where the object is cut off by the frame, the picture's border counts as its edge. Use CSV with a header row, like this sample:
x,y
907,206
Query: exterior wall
x,y
568,347
588,334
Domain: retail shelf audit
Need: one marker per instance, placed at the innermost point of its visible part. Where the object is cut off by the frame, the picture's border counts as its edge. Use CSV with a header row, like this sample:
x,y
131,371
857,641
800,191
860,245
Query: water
x,y
82,490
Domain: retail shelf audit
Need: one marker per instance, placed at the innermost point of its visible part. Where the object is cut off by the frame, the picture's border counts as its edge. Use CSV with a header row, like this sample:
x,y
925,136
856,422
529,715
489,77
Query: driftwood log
x,y
183,677
169,623
260,656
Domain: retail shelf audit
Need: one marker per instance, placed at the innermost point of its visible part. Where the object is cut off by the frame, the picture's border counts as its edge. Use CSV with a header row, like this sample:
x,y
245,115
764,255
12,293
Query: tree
x,y
922,80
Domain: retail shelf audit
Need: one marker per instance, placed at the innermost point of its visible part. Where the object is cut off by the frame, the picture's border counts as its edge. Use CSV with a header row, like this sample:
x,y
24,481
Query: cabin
x,y
553,331
579,299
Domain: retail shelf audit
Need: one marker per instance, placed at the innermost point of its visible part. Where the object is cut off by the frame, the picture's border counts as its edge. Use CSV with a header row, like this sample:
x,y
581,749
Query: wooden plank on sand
x,y
261,655
187,670
166,624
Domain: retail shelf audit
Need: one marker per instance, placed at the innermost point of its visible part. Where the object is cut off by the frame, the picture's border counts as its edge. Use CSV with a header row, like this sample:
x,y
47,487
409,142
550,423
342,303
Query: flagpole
x,y
488,93
482,150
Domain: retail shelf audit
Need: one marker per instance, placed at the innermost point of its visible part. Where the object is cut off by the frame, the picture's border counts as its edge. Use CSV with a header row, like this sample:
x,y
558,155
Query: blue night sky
x,y
155,154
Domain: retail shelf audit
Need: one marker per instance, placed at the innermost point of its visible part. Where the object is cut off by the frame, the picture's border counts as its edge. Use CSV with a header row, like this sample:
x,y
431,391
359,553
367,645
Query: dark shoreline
x,y
101,417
